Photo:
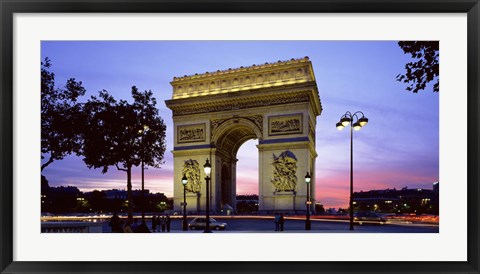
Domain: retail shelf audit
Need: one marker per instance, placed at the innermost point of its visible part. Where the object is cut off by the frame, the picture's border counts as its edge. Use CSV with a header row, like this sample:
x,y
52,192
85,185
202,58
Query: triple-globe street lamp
x,y
207,168
184,183
356,123
308,223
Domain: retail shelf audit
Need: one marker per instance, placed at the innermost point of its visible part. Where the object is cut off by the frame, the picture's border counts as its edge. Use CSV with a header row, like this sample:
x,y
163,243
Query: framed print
x,y
254,93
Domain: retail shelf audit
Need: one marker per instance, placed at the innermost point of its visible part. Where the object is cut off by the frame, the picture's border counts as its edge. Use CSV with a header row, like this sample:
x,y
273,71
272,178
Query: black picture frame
x,y
9,7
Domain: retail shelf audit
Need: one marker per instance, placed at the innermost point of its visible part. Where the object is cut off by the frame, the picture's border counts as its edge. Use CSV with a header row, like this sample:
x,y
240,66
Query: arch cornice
x,y
296,93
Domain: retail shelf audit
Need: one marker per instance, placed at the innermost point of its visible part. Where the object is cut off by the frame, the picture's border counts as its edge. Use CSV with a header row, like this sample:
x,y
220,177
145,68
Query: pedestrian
x,y
163,223
127,228
115,223
276,220
282,221
167,222
158,223
154,223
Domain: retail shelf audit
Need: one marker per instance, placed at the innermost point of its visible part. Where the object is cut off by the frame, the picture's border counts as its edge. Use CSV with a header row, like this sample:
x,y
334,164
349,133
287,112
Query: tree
x,y
152,128
114,134
319,209
59,116
424,68
97,201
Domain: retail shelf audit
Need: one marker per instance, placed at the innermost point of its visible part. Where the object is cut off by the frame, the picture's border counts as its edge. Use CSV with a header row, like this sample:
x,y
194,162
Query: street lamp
x,y
207,168
356,123
308,223
143,131
184,183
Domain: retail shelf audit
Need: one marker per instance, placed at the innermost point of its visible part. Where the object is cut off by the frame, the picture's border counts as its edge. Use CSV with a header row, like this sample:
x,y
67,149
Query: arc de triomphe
x,y
215,113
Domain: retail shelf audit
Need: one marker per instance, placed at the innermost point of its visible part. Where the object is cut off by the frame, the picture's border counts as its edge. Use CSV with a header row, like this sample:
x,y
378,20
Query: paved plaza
x,y
266,225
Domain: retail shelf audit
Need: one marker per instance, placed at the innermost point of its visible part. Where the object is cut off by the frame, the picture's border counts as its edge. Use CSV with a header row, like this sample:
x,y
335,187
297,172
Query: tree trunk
x,y
50,160
129,193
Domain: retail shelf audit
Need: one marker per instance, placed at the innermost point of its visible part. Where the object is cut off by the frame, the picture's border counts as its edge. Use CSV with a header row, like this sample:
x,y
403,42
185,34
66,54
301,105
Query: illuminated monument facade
x,y
215,113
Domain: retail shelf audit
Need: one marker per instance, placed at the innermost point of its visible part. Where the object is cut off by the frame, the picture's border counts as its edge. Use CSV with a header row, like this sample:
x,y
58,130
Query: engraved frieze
x,y
285,124
233,105
191,133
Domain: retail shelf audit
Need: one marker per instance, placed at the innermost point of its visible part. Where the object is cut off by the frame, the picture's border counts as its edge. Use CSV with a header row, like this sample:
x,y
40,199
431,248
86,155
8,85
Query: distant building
x,y
113,194
121,194
59,199
246,204
398,201
138,192
436,187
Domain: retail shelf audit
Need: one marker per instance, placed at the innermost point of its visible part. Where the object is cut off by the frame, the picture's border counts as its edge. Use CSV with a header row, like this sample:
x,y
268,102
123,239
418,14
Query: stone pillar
x,y
273,198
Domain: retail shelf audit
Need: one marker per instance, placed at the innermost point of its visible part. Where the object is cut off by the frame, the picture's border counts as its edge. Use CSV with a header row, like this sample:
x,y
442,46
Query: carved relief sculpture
x,y
285,124
191,170
191,133
284,171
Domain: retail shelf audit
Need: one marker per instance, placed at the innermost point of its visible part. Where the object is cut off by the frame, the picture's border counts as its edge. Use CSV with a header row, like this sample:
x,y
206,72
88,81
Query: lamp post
x,y
143,131
207,168
143,191
184,183
356,123
308,223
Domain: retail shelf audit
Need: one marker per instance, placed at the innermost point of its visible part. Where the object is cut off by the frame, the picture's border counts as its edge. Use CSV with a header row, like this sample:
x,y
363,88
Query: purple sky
x,y
398,147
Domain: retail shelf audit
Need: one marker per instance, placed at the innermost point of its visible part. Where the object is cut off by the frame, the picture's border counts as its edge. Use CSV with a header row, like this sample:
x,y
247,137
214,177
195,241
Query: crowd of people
x,y
159,224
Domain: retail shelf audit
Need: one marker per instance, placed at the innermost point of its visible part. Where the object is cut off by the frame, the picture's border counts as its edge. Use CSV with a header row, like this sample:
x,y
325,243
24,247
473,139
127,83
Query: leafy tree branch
x,y
425,65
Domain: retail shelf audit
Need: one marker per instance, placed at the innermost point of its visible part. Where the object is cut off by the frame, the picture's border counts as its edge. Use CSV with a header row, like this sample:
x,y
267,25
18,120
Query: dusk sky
x,y
399,147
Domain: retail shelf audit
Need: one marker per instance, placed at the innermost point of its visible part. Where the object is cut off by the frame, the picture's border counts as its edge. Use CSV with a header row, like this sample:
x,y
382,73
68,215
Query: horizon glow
x,y
399,147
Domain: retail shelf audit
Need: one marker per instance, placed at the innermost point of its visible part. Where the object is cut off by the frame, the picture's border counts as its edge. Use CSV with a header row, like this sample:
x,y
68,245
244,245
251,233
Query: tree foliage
x,y
59,116
425,66
122,134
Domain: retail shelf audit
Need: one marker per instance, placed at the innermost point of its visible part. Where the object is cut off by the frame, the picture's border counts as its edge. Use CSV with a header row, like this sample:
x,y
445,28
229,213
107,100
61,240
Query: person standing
x,y
127,228
159,223
167,221
276,220
282,221
116,224
162,222
154,223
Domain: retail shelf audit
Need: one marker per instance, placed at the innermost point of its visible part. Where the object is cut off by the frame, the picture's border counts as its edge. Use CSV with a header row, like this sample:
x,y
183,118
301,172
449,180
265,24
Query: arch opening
x,y
248,185
228,138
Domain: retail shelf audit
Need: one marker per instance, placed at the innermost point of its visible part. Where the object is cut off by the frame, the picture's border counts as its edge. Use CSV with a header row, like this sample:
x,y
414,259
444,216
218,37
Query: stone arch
x,y
276,104
227,139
